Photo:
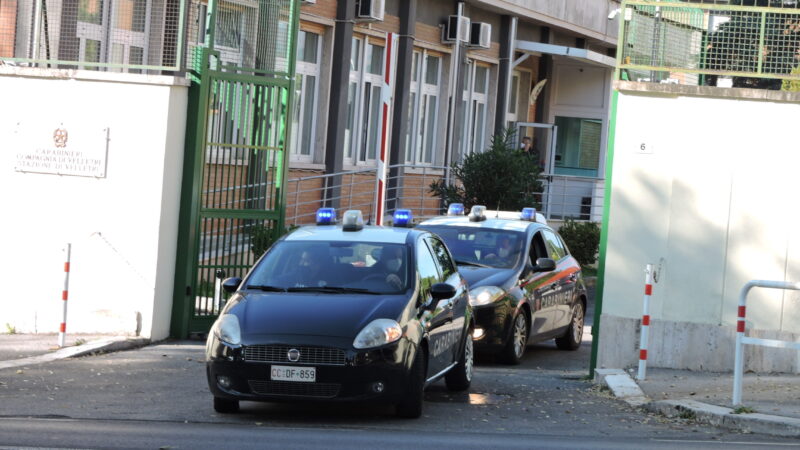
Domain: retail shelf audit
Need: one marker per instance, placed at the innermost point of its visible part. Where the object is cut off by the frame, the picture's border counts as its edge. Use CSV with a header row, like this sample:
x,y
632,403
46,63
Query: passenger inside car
x,y
390,265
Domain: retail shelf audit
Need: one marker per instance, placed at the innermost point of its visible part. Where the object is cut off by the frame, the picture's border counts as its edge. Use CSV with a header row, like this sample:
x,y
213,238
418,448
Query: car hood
x,y
487,276
313,314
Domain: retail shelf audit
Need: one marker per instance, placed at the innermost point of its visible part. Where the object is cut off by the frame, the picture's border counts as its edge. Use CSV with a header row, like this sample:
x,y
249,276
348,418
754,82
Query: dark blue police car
x,y
524,284
344,312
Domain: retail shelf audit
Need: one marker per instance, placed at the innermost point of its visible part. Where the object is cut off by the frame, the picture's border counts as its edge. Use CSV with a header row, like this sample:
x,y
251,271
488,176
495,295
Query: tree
x,y
734,46
503,177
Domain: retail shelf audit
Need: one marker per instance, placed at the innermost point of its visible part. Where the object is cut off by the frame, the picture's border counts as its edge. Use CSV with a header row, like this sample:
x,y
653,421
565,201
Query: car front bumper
x,y
492,326
379,374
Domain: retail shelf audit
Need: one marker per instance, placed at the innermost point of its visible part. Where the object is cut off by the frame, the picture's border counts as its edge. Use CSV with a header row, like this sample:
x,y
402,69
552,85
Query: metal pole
x,y
648,290
455,64
62,332
738,364
37,23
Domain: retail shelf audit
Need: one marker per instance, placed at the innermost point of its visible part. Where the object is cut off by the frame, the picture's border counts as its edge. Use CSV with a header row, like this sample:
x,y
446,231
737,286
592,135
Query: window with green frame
x,y
578,146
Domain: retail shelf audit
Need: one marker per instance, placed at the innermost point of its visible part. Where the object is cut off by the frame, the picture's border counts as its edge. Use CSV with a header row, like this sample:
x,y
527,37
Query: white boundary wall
x,y
123,226
711,202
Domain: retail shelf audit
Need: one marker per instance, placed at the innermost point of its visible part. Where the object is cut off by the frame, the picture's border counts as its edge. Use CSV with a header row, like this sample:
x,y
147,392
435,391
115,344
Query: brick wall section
x,y
8,25
323,8
304,197
415,194
428,33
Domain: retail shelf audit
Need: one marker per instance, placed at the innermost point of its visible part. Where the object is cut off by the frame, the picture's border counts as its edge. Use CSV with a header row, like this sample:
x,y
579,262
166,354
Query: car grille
x,y
291,388
320,356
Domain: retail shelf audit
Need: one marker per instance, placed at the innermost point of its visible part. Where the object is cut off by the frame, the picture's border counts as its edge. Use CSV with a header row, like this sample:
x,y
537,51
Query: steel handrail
x,y
741,339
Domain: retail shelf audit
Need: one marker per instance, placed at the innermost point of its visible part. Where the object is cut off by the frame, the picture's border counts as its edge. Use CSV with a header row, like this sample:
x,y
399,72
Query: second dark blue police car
x,y
344,312
524,284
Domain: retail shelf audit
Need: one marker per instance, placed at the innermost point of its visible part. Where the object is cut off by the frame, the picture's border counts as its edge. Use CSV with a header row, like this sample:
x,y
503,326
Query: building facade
x,y
401,88
541,68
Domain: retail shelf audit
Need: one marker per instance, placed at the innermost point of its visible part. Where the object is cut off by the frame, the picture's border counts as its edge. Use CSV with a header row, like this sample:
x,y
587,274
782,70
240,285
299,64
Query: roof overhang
x,y
570,52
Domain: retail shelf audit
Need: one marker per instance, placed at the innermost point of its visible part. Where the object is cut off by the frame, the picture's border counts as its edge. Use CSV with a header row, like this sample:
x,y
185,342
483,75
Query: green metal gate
x,y
237,138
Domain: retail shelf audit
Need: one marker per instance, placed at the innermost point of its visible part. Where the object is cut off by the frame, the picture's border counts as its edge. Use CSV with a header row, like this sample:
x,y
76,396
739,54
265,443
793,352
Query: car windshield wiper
x,y
470,263
263,287
332,290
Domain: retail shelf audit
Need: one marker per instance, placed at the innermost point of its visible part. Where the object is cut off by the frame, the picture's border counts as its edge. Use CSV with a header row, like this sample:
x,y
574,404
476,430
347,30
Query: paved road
x,y
111,434
157,396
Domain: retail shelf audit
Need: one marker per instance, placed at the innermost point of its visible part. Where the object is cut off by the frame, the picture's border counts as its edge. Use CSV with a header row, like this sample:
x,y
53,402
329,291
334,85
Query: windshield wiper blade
x,y
263,287
332,289
470,263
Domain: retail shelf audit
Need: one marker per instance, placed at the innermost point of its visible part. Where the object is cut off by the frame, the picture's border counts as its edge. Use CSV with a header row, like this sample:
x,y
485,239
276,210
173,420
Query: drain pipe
x,y
455,64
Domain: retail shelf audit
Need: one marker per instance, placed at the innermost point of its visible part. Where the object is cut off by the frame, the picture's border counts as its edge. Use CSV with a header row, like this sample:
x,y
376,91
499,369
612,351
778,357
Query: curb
x,y
626,389
726,418
93,347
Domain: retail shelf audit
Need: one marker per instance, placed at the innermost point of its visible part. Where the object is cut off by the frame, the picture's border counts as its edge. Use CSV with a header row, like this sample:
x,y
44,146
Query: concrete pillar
x,y
337,114
405,55
508,37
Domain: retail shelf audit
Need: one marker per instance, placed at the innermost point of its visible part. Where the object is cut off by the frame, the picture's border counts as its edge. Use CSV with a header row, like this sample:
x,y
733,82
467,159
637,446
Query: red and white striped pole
x,y
648,290
383,157
62,331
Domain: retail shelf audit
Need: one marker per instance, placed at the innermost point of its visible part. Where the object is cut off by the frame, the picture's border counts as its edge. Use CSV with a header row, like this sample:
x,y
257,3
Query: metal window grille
x,y
752,43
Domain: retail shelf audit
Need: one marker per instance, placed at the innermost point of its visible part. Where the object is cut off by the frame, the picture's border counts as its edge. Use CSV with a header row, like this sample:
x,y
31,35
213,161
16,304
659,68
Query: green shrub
x,y
503,177
583,240
262,238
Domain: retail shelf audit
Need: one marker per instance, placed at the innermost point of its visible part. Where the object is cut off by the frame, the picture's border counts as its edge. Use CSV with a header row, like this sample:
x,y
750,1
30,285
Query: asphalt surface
x,y
156,396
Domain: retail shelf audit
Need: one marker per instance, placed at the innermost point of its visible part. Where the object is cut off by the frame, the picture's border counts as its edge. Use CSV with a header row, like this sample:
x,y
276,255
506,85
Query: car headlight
x,y
484,295
378,332
226,328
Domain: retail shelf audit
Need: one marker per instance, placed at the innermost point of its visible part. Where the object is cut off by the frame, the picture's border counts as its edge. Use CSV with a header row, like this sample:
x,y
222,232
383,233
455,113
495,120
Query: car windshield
x,y
486,247
332,267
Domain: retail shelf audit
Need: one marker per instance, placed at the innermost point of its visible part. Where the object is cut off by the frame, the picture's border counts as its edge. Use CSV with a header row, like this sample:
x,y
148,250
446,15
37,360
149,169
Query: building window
x,y
362,135
125,43
578,146
423,108
473,104
306,96
513,100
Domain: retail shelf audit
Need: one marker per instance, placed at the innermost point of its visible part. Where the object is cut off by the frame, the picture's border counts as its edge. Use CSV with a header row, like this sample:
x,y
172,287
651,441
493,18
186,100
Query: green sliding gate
x,y
232,202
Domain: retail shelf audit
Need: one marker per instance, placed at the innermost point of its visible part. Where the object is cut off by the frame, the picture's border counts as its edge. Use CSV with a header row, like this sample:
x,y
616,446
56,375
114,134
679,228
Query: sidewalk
x,y
771,402
26,349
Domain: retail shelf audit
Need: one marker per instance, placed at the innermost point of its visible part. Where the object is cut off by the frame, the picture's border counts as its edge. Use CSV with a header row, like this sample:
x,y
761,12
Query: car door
x,y
566,281
458,304
438,316
538,288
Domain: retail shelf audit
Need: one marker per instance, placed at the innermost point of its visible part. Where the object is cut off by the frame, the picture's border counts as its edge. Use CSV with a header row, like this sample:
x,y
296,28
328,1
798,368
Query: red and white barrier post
x,y
386,99
62,331
648,290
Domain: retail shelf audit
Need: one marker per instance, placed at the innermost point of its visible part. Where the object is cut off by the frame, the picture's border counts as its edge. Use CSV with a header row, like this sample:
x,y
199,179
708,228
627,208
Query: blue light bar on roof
x,y
326,216
528,214
402,218
455,209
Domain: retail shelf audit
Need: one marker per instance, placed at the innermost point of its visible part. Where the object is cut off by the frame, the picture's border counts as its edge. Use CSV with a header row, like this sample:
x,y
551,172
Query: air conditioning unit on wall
x,y
480,35
450,32
369,10
308,2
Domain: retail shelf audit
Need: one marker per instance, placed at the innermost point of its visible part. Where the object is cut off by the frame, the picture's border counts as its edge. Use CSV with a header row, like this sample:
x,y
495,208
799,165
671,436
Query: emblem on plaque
x,y
60,137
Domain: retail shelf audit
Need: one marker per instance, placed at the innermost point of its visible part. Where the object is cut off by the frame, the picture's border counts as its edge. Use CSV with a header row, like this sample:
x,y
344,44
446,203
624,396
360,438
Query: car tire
x,y
411,406
460,376
572,338
515,347
224,405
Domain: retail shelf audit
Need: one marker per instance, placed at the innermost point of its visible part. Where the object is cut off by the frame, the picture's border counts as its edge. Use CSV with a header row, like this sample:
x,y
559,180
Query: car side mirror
x,y
230,285
441,291
544,265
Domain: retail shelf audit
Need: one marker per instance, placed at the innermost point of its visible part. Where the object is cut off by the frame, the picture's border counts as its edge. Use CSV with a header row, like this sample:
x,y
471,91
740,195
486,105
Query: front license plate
x,y
288,373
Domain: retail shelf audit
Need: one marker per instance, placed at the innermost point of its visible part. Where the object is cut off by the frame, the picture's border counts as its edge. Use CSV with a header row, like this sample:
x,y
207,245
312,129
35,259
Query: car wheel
x,y
515,347
411,406
572,338
460,376
223,405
